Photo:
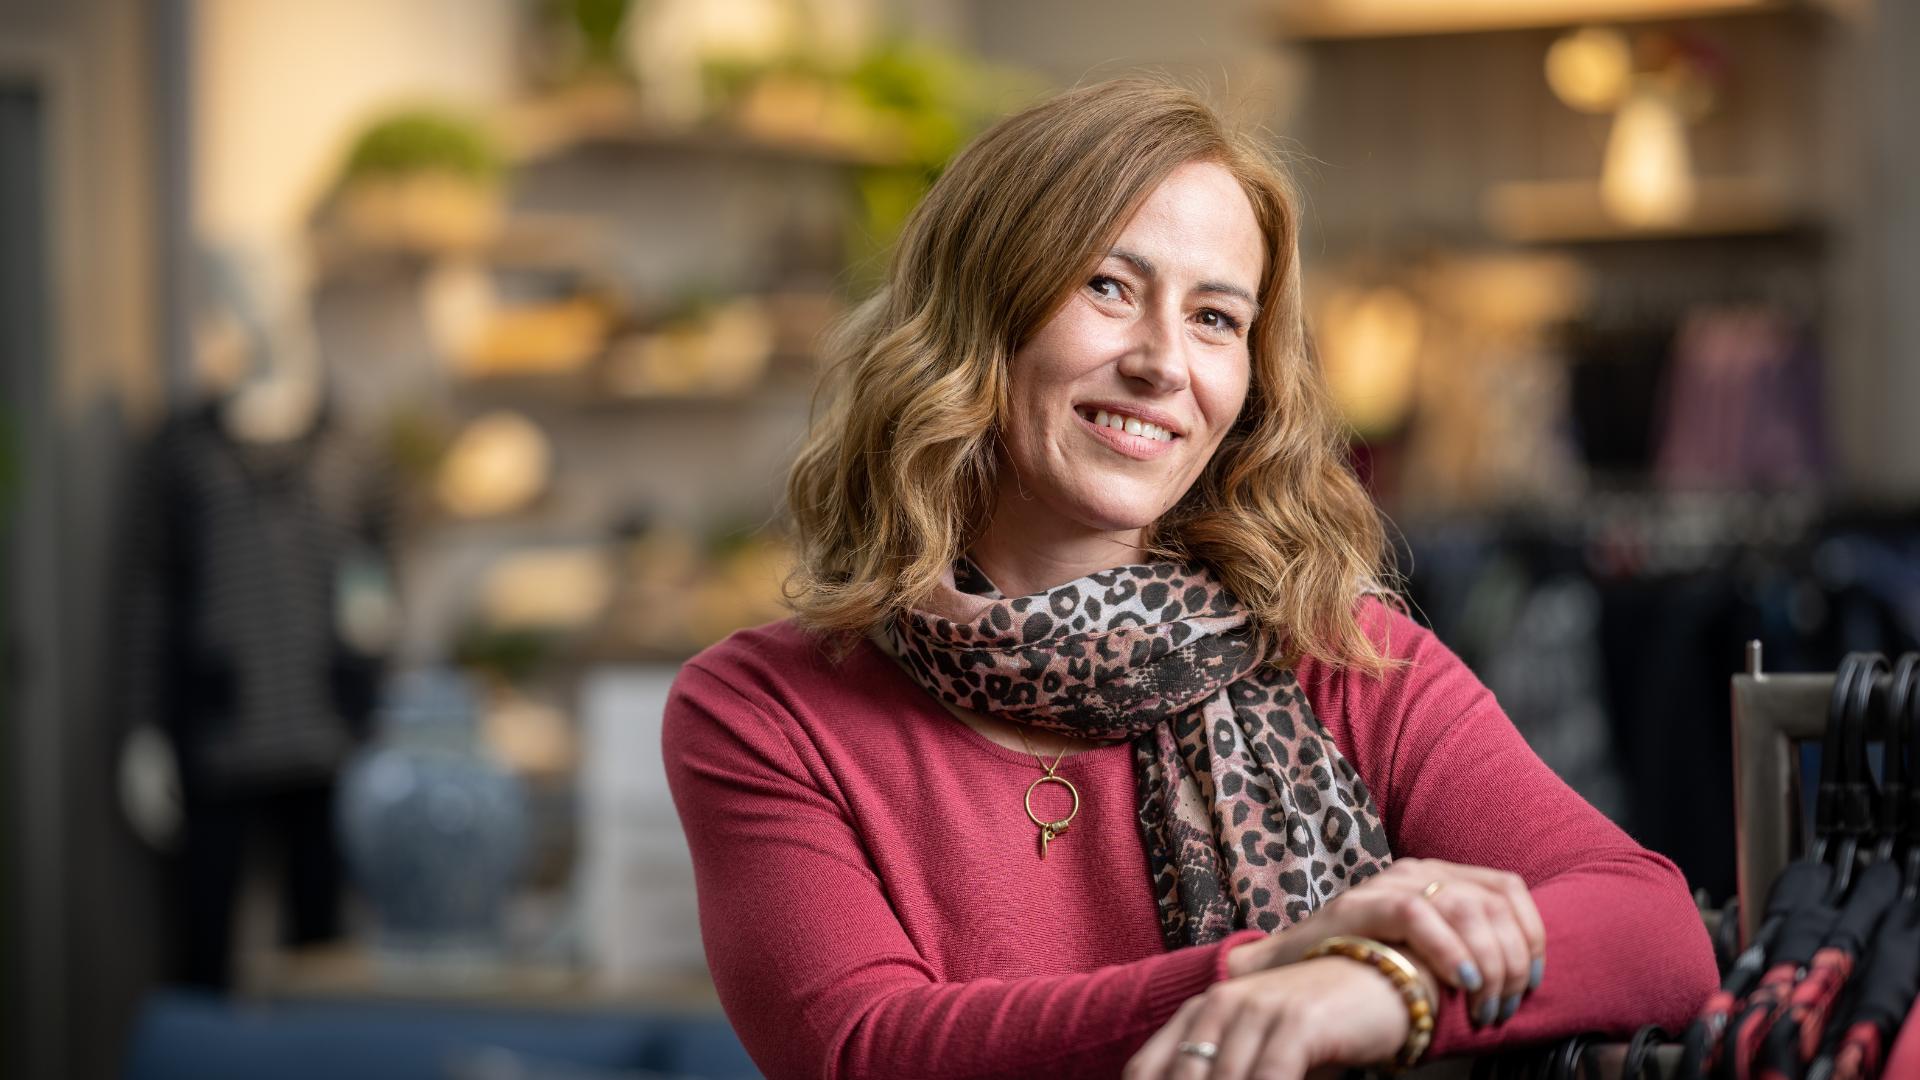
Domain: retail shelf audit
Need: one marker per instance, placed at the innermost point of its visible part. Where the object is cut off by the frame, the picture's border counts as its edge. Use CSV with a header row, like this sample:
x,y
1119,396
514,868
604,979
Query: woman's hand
x,y
1281,1023
1478,928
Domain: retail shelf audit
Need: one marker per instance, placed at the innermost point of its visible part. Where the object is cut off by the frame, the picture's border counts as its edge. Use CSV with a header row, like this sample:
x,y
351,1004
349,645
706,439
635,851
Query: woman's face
x,y
1157,335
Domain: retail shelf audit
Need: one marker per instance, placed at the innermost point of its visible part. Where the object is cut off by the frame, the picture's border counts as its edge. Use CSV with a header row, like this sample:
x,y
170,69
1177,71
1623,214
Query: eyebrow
x,y
1146,268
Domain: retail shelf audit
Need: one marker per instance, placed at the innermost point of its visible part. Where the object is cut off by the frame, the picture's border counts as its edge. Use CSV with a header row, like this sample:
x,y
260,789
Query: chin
x,y
1118,515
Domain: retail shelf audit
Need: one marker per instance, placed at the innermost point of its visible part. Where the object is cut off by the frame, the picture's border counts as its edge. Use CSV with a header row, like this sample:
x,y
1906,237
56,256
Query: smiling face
x,y
1155,340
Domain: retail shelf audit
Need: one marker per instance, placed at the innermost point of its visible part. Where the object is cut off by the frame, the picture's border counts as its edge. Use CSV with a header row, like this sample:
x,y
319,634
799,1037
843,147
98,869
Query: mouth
x,y
1135,438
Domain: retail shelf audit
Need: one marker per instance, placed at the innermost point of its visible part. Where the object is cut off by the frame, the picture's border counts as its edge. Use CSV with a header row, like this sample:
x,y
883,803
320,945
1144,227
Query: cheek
x,y
1224,393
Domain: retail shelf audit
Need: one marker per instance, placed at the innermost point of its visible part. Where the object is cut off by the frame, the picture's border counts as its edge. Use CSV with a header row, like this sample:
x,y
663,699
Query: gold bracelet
x,y
1405,978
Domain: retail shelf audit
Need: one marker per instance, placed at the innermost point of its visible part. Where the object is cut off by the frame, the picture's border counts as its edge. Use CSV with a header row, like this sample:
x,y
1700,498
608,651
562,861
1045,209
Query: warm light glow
x,y
1591,69
553,589
1647,179
498,464
1369,348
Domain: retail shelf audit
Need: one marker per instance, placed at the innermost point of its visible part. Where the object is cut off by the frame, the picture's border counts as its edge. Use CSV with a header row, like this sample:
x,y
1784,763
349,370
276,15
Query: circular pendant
x,y
1051,829
1061,825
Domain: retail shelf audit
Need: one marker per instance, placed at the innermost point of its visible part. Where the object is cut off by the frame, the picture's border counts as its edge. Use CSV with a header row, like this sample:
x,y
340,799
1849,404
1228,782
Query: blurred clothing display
x,y
235,649
1608,634
1742,403
221,835
242,553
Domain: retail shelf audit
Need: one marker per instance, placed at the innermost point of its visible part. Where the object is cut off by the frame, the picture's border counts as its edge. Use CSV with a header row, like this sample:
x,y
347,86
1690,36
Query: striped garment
x,y
235,554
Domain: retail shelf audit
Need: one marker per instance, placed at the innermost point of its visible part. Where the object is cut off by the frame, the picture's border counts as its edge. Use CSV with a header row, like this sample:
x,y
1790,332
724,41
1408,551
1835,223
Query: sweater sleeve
x,y
1455,780
814,970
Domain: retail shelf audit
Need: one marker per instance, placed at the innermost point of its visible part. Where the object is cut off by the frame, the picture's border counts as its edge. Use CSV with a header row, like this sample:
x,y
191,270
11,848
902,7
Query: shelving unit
x,y
1328,20
1571,211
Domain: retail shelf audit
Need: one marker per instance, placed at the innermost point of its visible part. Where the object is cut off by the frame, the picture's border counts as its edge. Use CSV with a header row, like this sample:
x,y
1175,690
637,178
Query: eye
x,y
1099,283
1221,320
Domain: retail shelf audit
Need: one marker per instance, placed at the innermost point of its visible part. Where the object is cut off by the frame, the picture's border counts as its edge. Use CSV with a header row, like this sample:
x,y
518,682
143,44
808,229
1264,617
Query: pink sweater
x,y
872,902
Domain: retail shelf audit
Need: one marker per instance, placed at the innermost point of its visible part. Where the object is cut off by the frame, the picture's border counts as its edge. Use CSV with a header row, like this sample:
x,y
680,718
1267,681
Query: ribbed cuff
x,y
1227,945
1191,970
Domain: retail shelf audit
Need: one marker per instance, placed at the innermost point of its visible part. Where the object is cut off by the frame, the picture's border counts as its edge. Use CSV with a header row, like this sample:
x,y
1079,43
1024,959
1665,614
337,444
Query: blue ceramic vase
x,y
434,831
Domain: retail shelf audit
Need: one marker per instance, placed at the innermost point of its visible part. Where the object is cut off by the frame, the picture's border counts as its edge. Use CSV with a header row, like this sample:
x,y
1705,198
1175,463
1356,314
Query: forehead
x,y
1200,219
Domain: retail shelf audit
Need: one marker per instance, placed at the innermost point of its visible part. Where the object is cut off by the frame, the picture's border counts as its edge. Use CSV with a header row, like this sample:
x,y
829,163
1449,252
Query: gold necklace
x,y
1049,829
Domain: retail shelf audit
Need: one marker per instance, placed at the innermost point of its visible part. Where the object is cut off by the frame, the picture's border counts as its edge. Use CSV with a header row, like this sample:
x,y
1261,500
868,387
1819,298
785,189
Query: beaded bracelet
x,y
1405,978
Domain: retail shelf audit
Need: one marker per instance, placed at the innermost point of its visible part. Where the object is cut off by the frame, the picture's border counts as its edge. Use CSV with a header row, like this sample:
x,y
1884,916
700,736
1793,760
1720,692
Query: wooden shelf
x,y
1333,20
611,119
778,390
1571,211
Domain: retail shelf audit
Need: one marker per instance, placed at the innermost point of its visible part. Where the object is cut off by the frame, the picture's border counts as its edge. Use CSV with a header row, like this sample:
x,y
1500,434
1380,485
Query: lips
x,y
1137,447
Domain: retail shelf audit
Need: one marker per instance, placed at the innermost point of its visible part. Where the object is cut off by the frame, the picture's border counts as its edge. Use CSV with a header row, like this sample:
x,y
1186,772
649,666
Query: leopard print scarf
x,y
1250,815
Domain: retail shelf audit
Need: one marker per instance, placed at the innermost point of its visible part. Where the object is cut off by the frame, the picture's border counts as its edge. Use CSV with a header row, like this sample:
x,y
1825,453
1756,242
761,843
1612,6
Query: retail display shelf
x,y
774,393
1572,211
540,130
1335,20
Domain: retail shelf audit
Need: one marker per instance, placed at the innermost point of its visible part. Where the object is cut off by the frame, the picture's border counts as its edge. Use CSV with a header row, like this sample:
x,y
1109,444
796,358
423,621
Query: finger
x,y
1410,918
1241,1044
1209,1024
1281,1057
1513,942
1525,912
1465,907
1151,1060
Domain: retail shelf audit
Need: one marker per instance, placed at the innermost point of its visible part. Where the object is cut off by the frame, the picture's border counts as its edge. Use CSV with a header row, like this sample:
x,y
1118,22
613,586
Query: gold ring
x,y
1432,887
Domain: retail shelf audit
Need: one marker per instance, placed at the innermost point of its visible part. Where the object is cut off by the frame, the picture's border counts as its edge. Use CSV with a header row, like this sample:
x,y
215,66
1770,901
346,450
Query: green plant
x,y
424,140
513,656
935,99
598,24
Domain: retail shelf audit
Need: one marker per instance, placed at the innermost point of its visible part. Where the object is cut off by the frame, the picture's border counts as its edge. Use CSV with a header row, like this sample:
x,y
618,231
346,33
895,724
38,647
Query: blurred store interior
x,y
411,383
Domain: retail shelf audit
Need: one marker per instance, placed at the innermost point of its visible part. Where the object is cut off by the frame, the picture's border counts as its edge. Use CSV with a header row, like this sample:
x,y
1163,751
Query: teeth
x,y
1130,425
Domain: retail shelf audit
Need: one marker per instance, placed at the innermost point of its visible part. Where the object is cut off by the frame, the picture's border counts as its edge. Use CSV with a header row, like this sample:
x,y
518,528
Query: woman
x,y
1095,725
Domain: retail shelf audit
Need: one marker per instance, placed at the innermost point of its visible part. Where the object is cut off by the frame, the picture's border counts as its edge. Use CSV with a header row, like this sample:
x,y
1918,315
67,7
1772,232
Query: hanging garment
x,y
1800,937
1904,1060
1800,885
1741,406
234,647
1887,990
1795,1037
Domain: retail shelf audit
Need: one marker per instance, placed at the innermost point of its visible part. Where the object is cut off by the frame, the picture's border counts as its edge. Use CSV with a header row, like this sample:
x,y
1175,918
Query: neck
x,y
1027,548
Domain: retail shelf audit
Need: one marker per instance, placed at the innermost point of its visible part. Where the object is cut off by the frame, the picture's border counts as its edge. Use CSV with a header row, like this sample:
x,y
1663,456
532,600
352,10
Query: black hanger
x,y
1907,721
1846,786
1641,1060
1826,802
1859,795
1892,809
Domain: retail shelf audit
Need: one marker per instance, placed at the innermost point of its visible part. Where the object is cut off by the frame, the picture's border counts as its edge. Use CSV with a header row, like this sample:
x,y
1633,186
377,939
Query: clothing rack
x,y
1772,716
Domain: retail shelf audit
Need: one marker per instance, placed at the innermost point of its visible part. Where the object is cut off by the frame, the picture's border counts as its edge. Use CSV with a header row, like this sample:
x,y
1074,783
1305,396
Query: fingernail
x,y
1469,976
1509,1007
1539,969
1489,1009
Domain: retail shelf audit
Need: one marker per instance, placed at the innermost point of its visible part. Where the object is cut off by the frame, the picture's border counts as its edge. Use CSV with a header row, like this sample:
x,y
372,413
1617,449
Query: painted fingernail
x,y
1489,1009
1534,975
1509,1007
1470,976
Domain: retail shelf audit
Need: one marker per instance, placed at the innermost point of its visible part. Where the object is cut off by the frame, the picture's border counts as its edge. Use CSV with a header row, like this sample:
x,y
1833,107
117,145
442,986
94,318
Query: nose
x,y
1157,355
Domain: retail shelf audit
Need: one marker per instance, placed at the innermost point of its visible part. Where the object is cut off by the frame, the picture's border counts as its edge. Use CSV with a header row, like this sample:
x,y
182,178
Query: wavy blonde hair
x,y
897,474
